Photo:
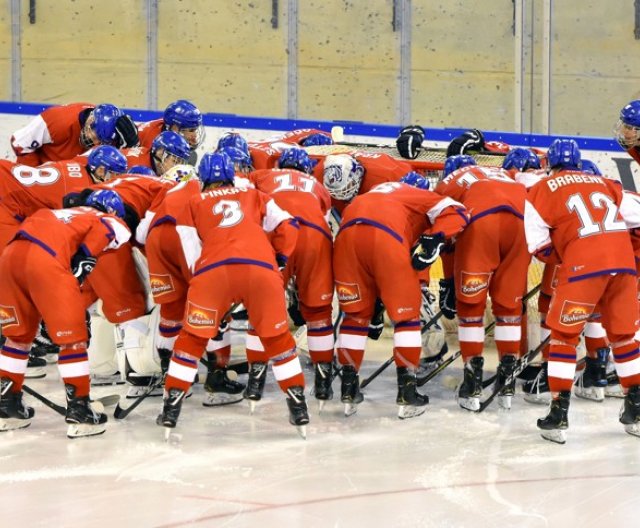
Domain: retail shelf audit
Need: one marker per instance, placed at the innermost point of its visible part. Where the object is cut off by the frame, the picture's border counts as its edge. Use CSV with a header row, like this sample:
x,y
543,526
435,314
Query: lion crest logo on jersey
x,y
473,283
8,316
348,292
201,317
575,313
161,284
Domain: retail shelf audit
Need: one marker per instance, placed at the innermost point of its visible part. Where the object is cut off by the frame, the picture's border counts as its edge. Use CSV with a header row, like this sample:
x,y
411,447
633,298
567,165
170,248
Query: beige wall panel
x,y
5,53
463,64
349,61
595,65
85,51
225,56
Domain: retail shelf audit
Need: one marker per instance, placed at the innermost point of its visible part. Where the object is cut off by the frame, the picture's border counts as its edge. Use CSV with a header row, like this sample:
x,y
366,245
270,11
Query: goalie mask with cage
x,y
184,117
627,129
342,176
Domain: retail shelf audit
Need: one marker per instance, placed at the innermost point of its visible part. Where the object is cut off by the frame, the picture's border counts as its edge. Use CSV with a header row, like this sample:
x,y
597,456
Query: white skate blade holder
x,y
410,411
504,403
633,429
216,399
469,404
350,409
12,424
595,394
542,398
302,431
558,436
81,430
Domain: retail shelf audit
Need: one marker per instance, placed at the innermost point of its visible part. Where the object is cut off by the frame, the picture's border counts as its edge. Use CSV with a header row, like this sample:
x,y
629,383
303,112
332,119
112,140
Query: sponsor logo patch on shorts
x,y
575,313
161,284
348,292
201,317
473,283
8,316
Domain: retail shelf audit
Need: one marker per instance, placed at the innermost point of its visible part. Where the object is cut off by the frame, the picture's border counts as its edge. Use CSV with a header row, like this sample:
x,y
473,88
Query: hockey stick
x,y
388,362
422,381
522,363
111,399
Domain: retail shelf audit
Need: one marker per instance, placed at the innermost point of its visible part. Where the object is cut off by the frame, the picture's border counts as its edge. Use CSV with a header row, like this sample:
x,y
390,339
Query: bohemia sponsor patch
x,y
472,283
8,316
161,284
347,292
200,317
574,313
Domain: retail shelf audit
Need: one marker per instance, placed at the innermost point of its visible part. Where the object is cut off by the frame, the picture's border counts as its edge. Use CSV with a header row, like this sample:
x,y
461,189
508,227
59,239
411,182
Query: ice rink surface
x,y
227,468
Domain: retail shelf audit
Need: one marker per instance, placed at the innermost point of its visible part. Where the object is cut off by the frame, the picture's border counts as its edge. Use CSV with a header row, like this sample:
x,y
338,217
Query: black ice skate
x,y
410,402
537,390
470,390
14,414
322,383
35,367
555,424
350,390
255,384
505,371
165,358
139,384
171,408
613,388
298,414
220,389
630,412
591,382
83,420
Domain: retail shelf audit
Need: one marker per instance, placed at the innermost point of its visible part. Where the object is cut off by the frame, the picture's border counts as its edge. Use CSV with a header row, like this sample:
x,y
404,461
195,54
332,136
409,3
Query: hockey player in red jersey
x,y
310,266
373,258
584,220
43,268
63,132
265,154
627,129
225,244
24,189
490,258
181,116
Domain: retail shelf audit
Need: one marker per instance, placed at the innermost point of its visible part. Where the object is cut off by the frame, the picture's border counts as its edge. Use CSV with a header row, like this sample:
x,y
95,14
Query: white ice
x,y
225,468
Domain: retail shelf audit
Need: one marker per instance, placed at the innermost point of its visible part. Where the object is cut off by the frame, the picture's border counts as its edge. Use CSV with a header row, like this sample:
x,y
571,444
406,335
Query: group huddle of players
x,y
99,208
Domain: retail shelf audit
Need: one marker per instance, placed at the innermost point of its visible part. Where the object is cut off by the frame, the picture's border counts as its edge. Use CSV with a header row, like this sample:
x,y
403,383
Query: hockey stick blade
x,y
58,408
426,379
121,413
523,362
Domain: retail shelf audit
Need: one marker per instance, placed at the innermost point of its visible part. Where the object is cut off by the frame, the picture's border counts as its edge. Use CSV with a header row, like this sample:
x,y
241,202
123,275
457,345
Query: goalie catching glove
x,y
410,141
82,264
471,140
426,251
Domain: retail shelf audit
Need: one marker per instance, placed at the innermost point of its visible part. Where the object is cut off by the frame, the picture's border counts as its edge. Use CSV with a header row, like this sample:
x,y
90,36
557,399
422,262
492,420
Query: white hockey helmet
x,y
342,176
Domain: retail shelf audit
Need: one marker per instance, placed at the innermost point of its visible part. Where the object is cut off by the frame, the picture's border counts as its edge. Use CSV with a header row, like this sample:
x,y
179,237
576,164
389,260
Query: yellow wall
x,y
227,58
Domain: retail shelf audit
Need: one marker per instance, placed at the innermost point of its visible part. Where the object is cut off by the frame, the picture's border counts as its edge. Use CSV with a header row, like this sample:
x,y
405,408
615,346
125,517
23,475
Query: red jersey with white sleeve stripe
x,y
227,225
584,219
149,131
54,135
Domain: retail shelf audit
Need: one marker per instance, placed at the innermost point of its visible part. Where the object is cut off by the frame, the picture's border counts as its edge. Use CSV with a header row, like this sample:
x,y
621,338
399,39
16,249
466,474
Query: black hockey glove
x,y
76,199
82,264
376,326
426,251
410,141
126,132
447,299
293,305
470,140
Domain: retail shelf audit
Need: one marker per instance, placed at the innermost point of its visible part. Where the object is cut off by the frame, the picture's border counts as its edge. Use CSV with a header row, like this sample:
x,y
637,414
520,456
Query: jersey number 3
x,y
599,200
231,212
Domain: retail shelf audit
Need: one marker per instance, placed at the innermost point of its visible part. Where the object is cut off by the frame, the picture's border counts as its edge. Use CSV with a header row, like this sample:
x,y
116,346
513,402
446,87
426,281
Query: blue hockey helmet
x,y
415,180
296,158
216,167
563,154
456,162
241,159
627,130
187,118
108,157
175,151
316,139
107,201
142,170
590,167
100,126
233,139
521,159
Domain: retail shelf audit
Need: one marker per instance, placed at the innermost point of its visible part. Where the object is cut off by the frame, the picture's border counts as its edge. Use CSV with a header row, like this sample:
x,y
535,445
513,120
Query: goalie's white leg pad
x,y
559,436
410,411
12,424
136,340
133,391
215,399
103,361
80,430
35,372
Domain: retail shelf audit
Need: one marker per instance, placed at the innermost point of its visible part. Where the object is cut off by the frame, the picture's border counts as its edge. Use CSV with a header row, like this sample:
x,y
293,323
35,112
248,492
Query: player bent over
x,y
43,268
225,244
584,220
373,258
